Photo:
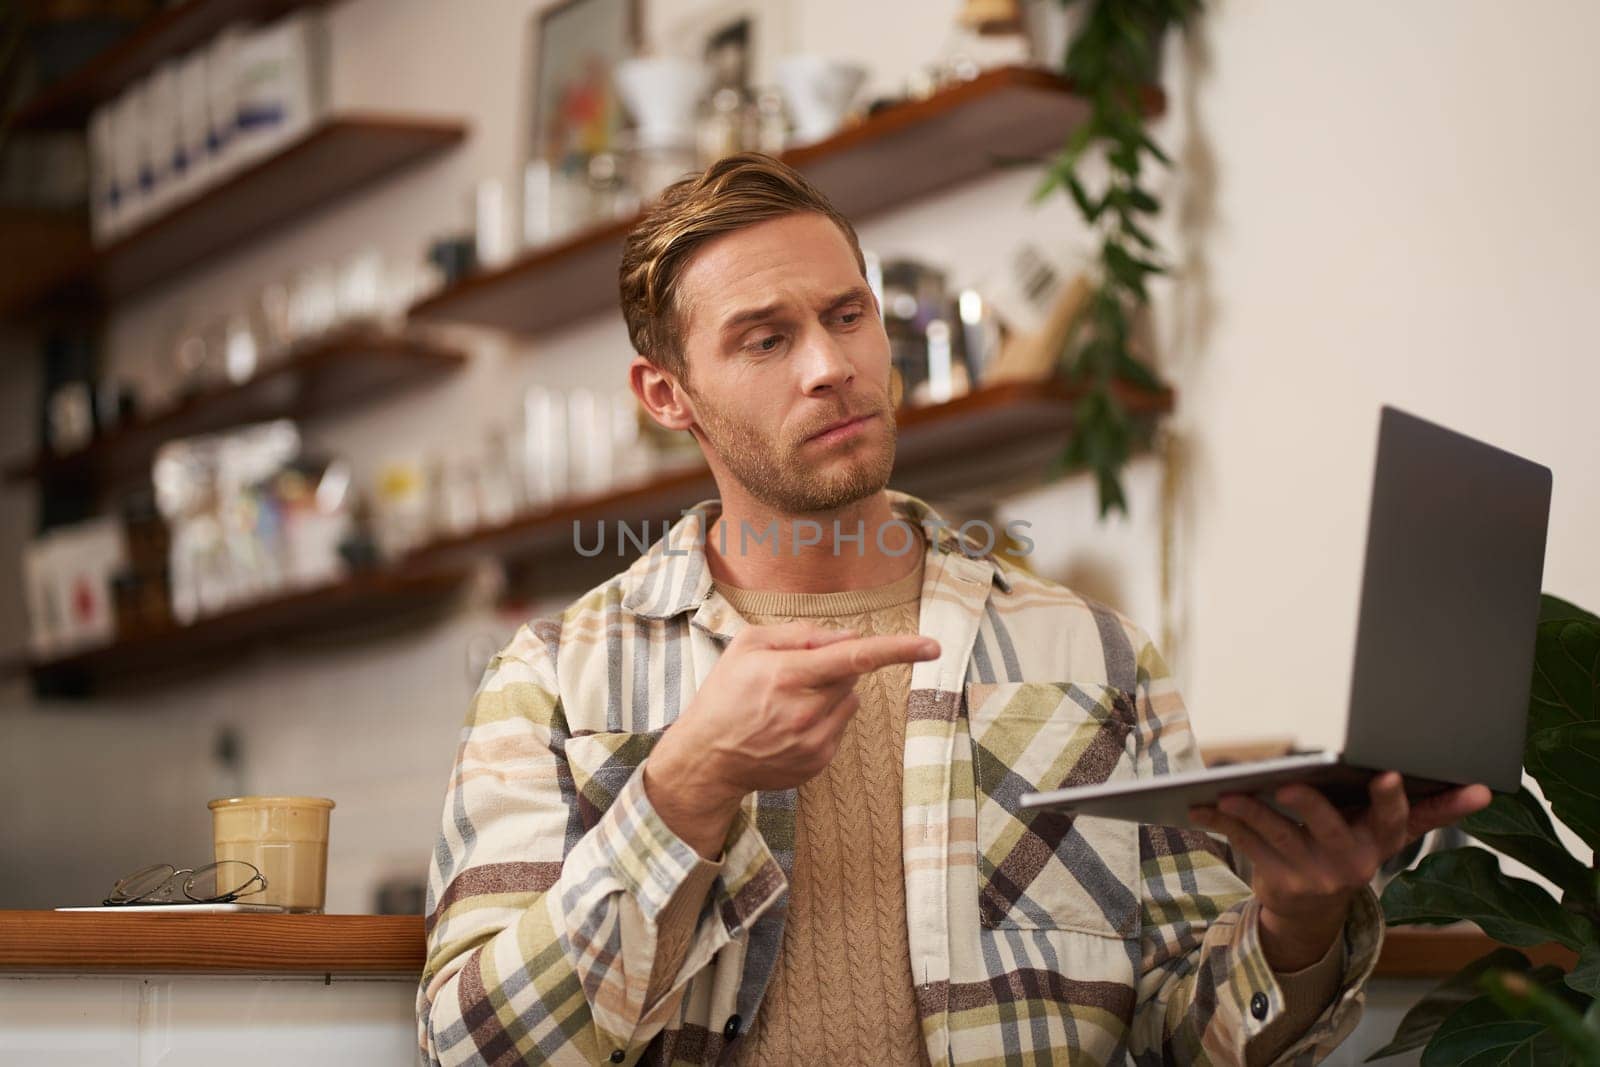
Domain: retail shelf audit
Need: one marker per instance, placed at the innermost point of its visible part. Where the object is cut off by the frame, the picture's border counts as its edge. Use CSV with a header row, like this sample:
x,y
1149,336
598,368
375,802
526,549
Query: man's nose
x,y
824,363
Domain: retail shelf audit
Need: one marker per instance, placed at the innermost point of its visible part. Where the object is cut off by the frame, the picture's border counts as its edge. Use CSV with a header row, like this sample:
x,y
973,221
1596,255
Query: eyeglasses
x,y
162,883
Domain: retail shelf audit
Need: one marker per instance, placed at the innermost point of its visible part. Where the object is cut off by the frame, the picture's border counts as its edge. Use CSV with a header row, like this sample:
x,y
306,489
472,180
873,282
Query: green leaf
x,y
1125,268
1466,883
1137,373
1523,997
1150,266
1143,200
1089,209
1554,609
1481,1033
1111,498
1566,675
1585,977
1154,149
1565,762
1427,1014
1516,824
1046,186
1125,158
1138,234
1110,318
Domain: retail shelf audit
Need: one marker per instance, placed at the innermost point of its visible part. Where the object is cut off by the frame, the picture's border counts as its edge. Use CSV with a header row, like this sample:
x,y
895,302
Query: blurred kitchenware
x,y
661,93
819,91
993,16
1049,26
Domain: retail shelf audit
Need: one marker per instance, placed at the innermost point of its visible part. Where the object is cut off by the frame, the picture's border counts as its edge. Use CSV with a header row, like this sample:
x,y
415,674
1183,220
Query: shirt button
x,y
1258,1006
731,1030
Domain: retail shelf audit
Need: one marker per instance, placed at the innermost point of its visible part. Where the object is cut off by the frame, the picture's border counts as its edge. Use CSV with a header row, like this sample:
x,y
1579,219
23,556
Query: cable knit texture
x,y
841,992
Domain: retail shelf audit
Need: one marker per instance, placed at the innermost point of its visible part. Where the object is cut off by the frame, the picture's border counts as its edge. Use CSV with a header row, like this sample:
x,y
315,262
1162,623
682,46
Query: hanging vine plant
x,y
1112,60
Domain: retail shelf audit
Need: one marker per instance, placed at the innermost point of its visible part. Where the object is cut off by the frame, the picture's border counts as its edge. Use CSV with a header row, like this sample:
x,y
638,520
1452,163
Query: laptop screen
x,y
1449,605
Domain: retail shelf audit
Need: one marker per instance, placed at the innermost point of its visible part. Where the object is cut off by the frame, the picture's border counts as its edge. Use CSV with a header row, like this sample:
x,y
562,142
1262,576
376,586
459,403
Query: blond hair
x,y
731,194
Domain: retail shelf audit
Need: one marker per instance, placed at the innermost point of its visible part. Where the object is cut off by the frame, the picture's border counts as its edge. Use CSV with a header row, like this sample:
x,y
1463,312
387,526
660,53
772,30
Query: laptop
x,y
1444,643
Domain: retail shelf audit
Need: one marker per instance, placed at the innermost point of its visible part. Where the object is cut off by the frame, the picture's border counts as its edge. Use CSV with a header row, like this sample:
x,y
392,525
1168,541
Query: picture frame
x,y
577,112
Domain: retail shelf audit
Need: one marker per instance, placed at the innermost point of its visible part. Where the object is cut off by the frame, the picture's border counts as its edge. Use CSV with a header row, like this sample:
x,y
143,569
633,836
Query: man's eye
x,y
849,318
768,343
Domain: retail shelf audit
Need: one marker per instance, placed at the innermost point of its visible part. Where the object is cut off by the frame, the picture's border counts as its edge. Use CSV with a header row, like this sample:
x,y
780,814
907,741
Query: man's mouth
x,y
843,429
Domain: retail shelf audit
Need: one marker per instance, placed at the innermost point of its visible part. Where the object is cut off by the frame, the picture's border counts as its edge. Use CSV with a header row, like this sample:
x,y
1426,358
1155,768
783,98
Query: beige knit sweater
x,y
842,990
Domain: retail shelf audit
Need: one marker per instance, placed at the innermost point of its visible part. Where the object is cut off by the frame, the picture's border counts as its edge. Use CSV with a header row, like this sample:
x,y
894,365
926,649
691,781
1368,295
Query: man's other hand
x,y
1305,875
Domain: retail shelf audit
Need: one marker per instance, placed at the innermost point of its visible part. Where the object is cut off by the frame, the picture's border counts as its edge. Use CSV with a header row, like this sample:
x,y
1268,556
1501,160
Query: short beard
x,y
772,472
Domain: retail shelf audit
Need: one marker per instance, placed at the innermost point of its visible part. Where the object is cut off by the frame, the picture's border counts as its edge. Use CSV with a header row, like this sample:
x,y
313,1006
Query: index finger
x,y
794,635
857,656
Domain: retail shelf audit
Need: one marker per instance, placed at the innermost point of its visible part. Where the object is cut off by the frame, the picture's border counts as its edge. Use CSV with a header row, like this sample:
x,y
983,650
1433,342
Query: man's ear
x,y
659,392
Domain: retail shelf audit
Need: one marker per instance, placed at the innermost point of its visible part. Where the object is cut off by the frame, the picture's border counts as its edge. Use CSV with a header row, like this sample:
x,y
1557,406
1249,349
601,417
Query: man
x,y
754,800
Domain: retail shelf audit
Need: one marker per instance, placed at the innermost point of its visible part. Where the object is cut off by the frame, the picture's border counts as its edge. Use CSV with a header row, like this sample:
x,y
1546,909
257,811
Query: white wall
x,y
1402,211
1377,203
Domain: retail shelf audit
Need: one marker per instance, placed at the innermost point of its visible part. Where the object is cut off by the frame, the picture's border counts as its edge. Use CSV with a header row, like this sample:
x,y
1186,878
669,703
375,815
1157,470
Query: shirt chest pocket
x,y
601,764
1045,870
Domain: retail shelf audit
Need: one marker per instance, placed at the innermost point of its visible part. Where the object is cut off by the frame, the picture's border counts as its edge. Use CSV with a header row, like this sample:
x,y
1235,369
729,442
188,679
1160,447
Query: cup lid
x,y
270,802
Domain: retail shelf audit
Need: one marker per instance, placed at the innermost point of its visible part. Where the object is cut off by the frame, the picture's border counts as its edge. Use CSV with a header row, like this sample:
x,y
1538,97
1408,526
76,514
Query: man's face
x,y
788,364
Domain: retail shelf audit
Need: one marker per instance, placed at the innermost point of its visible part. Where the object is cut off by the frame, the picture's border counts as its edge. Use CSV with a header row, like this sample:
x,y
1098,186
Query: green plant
x,y
1110,60
1500,1008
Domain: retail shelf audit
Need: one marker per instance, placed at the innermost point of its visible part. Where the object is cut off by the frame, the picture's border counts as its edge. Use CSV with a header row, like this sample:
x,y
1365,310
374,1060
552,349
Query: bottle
x,y
721,128
609,195
770,123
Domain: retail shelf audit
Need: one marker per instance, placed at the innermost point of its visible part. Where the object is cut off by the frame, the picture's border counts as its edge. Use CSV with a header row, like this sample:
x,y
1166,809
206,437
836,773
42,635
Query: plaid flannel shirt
x,y
1034,937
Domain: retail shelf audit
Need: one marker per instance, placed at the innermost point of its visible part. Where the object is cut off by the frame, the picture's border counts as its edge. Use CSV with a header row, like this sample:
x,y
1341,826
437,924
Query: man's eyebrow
x,y
750,315
855,294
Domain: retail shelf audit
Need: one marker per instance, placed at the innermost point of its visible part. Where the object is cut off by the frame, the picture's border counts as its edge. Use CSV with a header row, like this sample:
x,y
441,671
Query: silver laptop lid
x,y
1449,606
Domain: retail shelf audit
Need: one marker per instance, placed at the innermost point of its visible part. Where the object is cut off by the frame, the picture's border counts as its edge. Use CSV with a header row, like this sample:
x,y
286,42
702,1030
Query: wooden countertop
x,y
107,943
104,943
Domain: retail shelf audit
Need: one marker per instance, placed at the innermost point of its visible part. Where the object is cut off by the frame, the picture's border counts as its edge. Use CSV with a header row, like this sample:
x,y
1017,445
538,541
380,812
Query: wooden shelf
x,y
337,157
53,942
167,35
348,368
103,943
378,600
903,152
1005,430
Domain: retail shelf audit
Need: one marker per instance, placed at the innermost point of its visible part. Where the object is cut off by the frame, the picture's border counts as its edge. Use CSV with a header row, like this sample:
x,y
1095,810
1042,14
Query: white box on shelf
x,y
222,102
128,132
193,156
104,196
281,77
145,138
161,131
